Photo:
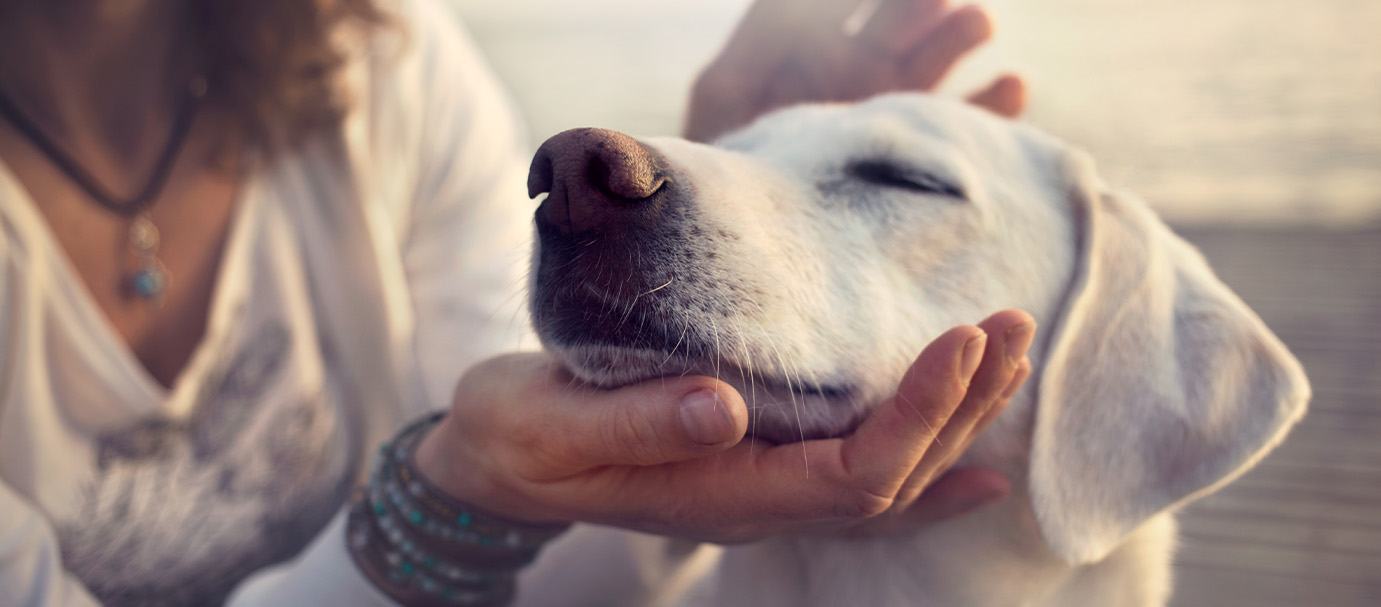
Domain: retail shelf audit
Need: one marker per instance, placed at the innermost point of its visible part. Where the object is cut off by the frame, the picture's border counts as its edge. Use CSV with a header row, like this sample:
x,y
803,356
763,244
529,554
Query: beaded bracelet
x,y
444,517
409,580
421,545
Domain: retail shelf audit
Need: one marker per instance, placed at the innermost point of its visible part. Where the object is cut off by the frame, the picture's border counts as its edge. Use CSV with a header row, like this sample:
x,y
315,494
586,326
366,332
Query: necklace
x,y
149,278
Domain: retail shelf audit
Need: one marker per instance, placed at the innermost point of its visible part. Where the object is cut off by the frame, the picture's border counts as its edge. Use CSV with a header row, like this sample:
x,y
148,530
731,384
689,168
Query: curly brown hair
x,y
276,63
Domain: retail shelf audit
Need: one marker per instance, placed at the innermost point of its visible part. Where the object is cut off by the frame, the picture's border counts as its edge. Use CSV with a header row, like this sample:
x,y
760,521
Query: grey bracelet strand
x,y
423,547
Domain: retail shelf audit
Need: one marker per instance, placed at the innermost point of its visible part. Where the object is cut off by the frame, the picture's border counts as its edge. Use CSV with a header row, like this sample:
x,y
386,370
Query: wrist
x,y
444,462
445,459
423,546
437,461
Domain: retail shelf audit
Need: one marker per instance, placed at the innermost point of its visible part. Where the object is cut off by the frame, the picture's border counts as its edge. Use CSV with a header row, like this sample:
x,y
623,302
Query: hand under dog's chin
x,y
776,414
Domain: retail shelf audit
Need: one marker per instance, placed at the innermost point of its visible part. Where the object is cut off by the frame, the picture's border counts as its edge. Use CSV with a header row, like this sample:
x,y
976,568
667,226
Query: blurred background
x,y
1253,126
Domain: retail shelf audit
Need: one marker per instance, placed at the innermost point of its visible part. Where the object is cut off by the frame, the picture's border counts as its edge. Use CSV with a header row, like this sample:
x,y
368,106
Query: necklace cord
x,y
157,180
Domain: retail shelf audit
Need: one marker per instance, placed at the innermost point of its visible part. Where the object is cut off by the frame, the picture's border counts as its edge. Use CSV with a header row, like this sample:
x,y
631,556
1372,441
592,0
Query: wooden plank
x,y
1303,564
1219,586
1244,502
1297,535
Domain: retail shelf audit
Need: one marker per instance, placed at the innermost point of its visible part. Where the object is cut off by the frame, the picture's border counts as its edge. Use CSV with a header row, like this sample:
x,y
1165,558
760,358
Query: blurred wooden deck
x,y
1303,528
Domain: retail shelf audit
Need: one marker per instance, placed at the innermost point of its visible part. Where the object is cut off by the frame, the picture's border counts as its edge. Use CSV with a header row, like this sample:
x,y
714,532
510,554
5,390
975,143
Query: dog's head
x,y
807,258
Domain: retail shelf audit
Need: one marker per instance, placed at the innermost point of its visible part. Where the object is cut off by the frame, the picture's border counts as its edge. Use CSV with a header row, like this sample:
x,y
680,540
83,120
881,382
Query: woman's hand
x,y
792,51
667,456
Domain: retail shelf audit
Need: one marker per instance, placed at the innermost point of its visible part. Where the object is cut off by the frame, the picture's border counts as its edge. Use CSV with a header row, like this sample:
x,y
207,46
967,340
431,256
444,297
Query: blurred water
x,y
1236,110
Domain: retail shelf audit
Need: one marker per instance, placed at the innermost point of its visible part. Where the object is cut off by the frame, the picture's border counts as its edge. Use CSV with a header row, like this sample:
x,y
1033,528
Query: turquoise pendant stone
x,y
148,283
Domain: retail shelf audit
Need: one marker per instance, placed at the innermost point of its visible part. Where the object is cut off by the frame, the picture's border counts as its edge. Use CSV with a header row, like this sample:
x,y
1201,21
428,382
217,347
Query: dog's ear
x,y
1159,385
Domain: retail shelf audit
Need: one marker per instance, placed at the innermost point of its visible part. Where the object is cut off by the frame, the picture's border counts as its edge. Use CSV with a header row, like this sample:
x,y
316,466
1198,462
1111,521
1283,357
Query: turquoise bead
x,y
415,517
463,519
148,283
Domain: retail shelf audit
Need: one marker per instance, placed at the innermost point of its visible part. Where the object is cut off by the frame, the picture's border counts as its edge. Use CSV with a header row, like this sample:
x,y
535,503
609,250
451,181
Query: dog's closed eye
x,y
888,174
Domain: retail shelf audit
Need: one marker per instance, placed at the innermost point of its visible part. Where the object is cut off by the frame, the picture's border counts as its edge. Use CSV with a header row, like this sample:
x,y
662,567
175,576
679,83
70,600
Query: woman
x,y
243,242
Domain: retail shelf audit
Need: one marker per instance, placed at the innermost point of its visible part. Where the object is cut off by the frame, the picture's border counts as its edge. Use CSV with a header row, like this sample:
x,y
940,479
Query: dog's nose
x,y
594,178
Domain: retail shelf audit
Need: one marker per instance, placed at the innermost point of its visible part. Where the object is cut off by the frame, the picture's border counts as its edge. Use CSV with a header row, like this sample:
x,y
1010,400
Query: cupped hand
x,y
785,52
669,456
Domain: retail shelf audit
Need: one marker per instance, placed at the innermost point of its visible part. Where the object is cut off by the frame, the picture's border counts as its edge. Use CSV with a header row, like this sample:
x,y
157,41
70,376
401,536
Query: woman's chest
x,y
179,236
173,494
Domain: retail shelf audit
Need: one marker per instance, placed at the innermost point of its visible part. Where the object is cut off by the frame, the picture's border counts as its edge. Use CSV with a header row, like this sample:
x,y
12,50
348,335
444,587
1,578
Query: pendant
x,y
150,278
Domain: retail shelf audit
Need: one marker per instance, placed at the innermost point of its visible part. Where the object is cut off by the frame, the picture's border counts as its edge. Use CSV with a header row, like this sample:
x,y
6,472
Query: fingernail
x,y
1019,339
1017,380
705,418
973,355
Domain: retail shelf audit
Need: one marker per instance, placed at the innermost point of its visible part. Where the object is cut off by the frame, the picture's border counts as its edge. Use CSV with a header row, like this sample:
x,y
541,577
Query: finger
x,y
955,493
644,424
916,487
1019,378
897,26
770,29
1000,372
1023,371
954,36
1011,333
761,42
1005,96
887,445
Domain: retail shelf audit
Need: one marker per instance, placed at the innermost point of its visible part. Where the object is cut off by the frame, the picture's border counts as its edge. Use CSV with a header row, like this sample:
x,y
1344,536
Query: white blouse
x,y
364,272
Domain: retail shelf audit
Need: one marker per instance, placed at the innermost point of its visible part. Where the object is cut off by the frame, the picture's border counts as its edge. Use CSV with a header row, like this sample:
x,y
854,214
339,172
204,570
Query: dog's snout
x,y
594,178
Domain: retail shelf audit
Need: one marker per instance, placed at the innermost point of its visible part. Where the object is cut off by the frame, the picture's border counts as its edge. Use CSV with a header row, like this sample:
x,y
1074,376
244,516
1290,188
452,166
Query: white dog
x,y
808,257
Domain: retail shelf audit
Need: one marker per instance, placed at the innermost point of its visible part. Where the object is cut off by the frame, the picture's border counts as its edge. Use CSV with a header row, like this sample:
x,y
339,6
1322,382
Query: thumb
x,y
658,421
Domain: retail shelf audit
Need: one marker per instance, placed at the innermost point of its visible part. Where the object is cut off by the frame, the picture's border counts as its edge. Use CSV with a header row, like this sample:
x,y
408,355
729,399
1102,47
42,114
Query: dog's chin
x,y
615,367
780,411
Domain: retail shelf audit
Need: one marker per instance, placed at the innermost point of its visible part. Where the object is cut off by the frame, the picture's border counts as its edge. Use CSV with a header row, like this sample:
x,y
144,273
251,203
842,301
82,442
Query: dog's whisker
x,y
714,330
791,391
657,288
633,303
752,392
685,326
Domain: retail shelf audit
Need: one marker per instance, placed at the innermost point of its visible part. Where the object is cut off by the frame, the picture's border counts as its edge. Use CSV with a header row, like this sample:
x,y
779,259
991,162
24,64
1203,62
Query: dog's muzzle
x,y
611,229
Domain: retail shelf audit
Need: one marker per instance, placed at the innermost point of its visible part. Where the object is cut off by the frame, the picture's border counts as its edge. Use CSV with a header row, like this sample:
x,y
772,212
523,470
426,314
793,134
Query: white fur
x,y
1153,383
